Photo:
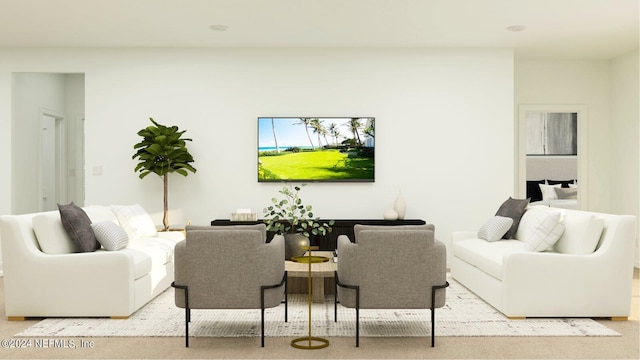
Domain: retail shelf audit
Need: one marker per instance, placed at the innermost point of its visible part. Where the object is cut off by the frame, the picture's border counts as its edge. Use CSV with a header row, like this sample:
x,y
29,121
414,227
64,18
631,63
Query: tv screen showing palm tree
x,y
316,149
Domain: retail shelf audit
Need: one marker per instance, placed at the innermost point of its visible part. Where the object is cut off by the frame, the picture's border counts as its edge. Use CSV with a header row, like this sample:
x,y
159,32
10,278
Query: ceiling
x,y
558,29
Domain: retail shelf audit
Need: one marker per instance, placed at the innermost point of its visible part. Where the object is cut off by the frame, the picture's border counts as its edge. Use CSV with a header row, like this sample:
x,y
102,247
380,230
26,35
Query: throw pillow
x,y
495,228
110,235
135,221
544,228
582,234
52,237
570,193
563,183
548,191
78,226
514,209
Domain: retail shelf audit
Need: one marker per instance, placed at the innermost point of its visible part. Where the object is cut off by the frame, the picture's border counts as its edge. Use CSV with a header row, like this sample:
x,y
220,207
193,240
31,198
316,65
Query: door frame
x,y
60,156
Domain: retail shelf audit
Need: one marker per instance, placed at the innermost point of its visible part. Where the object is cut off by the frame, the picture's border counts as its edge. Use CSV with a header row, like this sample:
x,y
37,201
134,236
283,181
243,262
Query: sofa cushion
x,y
100,213
159,250
540,228
582,233
495,228
52,237
134,220
487,256
513,208
78,225
142,263
110,235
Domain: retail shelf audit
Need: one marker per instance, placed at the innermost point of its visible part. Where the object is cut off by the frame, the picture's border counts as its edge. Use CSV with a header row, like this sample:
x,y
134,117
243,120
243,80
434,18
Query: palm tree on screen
x,y
333,130
275,137
354,125
306,122
318,129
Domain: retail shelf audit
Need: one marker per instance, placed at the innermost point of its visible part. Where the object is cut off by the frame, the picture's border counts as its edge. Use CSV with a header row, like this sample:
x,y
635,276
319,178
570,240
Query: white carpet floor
x,y
464,315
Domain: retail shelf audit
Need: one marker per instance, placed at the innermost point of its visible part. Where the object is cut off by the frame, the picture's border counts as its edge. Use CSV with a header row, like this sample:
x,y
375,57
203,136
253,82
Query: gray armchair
x,y
229,267
391,267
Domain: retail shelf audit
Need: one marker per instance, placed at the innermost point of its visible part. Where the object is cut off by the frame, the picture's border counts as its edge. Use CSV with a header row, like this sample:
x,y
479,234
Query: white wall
x,y
444,125
547,82
625,136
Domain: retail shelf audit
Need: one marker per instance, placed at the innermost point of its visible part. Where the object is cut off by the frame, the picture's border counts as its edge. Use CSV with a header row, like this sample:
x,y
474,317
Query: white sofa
x,y
57,282
566,280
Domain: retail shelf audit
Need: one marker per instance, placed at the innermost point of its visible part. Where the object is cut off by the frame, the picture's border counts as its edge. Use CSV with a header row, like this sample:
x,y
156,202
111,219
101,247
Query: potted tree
x,y
163,151
288,216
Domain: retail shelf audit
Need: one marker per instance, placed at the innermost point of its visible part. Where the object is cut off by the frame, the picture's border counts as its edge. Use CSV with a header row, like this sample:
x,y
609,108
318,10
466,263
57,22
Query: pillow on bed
x,y
533,190
549,192
564,183
570,193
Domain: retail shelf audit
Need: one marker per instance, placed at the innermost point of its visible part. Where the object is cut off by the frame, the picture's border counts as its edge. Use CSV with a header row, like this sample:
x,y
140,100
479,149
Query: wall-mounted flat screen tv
x,y
315,149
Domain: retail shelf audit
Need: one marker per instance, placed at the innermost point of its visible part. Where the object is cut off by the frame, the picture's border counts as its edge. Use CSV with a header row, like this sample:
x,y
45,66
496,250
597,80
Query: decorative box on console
x,y
244,215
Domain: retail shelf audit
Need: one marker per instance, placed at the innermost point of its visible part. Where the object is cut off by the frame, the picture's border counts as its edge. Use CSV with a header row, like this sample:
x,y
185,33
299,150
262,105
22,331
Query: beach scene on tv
x,y
316,149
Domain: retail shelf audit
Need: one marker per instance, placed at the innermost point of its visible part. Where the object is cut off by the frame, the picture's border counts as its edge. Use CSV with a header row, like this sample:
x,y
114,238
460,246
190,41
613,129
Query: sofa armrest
x,y
91,284
347,262
544,280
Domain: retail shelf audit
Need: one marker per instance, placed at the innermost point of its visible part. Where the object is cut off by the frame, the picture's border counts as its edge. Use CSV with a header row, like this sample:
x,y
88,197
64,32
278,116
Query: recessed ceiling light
x,y
516,28
218,27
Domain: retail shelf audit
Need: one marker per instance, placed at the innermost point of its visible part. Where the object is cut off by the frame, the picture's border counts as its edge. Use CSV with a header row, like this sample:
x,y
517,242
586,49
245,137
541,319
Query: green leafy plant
x,y
163,151
290,215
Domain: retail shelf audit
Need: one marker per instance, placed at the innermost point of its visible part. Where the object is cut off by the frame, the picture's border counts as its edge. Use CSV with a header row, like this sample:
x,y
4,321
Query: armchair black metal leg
x,y
187,311
335,297
357,316
186,327
262,327
262,290
357,289
433,311
286,296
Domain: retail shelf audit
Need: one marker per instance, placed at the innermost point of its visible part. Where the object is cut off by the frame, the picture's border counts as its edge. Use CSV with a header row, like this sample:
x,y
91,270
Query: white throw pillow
x,y
135,221
495,228
52,237
582,234
549,191
110,235
540,228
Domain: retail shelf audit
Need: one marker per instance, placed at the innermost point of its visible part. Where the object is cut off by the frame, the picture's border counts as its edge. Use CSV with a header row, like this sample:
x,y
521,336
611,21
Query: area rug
x,y
463,315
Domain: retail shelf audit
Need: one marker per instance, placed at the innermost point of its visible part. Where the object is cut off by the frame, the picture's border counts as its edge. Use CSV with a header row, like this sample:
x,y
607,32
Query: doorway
x,y
47,141
551,153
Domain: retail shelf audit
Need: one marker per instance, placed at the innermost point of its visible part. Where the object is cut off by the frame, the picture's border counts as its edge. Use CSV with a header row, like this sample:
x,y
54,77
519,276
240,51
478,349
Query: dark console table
x,y
340,227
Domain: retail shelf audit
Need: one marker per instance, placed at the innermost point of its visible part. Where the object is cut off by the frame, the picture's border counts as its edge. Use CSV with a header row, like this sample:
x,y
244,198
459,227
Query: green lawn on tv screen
x,y
315,165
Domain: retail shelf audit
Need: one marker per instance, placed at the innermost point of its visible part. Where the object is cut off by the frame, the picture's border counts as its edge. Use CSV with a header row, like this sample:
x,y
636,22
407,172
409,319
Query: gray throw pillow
x,y
513,208
78,226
